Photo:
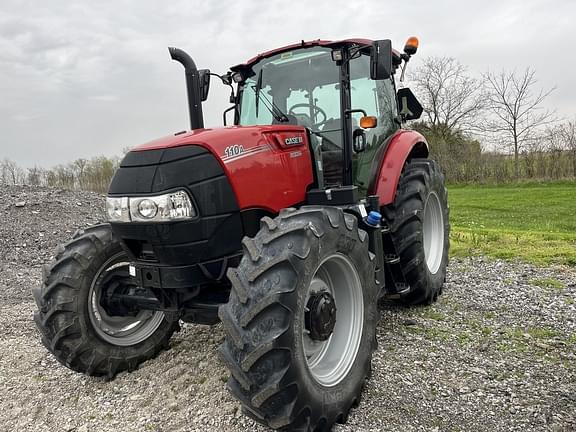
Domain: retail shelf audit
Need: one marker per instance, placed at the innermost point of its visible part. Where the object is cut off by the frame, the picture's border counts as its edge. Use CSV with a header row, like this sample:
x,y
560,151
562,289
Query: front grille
x,y
215,233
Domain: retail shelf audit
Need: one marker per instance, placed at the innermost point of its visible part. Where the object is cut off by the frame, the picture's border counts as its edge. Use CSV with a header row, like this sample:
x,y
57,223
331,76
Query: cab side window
x,y
378,99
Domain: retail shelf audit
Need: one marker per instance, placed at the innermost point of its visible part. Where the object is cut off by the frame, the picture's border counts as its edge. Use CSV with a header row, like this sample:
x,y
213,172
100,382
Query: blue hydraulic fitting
x,y
373,218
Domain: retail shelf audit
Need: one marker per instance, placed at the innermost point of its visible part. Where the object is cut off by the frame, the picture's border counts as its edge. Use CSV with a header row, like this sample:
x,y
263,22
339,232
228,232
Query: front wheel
x,y
76,324
420,229
301,319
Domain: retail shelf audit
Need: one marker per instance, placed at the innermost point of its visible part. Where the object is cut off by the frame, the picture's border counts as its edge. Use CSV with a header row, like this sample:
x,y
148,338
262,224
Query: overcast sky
x,y
86,78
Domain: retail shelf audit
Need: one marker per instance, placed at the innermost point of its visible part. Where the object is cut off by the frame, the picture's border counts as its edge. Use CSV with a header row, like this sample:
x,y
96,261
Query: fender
x,y
403,145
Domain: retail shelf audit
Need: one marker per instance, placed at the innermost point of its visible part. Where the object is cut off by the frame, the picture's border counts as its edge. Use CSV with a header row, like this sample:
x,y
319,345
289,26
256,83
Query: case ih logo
x,y
293,140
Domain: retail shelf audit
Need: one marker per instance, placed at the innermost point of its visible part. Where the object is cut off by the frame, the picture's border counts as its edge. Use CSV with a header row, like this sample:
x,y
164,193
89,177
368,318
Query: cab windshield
x,y
295,87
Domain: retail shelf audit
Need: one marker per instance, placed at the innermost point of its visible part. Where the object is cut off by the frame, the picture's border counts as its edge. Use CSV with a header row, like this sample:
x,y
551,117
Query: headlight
x,y
161,208
147,209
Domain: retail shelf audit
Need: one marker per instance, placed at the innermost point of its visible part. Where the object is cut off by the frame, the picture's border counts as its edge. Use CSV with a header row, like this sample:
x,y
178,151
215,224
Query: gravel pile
x,y
497,352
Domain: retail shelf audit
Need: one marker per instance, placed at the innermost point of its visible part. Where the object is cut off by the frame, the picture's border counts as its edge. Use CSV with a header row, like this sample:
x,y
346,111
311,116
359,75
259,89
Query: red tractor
x,y
288,227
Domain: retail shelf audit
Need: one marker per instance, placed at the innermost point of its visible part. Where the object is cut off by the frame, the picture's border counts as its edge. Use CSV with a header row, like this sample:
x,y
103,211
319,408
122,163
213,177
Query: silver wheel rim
x,y
330,361
433,232
119,330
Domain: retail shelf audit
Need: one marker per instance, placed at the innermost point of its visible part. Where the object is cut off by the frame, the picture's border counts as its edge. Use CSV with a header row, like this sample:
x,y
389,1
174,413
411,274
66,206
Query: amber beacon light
x,y
411,45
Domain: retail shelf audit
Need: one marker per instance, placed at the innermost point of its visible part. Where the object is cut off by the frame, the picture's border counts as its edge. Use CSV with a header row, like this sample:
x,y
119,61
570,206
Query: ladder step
x,y
391,259
402,288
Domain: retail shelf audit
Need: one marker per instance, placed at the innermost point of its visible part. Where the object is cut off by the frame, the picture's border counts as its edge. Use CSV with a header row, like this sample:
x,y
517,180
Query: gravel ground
x,y
497,352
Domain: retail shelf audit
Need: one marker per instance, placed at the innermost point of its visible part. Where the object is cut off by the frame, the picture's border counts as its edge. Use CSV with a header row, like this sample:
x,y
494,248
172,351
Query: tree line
x,y
494,128
87,174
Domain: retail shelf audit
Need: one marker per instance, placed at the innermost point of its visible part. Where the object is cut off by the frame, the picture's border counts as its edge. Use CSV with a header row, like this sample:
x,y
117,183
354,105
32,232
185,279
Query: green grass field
x,y
535,222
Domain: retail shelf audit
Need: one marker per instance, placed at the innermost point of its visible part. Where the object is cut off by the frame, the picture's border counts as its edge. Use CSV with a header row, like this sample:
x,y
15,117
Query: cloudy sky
x,y
85,78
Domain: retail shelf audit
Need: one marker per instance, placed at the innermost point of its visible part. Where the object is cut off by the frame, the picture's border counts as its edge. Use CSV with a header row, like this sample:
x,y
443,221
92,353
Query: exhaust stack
x,y
192,87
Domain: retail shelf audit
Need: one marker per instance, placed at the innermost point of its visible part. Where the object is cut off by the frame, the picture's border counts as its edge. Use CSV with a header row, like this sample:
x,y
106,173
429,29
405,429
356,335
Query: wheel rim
x,y
119,330
330,360
433,233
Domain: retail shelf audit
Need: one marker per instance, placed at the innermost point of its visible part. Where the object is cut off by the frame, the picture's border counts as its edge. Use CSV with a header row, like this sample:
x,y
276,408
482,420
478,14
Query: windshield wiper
x,y
271,106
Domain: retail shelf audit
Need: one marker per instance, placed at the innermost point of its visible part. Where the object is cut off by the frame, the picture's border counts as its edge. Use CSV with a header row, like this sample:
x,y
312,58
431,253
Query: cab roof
x,y
302,44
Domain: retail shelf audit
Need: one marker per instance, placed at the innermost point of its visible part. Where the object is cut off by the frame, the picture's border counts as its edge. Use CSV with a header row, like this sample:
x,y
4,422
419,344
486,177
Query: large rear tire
x,y
420,229
301,319
74,324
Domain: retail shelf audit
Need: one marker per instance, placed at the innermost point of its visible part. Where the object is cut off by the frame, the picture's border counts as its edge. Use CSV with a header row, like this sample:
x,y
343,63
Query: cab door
x,y
377,98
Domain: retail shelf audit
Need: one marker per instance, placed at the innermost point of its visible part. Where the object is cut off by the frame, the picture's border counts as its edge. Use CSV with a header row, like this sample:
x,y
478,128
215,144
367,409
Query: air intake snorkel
x,y
192,86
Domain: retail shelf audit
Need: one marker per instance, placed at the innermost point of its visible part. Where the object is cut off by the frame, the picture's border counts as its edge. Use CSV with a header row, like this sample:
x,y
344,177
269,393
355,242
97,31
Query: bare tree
x,y
452,99
79,166
11,172
555,148
567,133
65,176
3,174
516,109
34,176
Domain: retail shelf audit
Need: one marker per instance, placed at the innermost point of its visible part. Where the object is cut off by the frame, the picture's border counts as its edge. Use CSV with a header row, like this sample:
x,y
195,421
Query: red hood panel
x,y
269,167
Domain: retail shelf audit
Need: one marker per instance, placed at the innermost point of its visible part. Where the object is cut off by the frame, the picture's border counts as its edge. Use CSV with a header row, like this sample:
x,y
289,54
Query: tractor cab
x,y
329,91
342,92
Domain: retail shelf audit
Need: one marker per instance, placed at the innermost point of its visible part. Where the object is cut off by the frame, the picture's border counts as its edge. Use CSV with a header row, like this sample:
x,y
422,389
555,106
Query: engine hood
x,y
217,139
268,167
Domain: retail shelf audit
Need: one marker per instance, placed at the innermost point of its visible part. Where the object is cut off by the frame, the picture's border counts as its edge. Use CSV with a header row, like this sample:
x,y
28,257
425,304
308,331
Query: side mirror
x,y
381,59
359,140
408,106
204,80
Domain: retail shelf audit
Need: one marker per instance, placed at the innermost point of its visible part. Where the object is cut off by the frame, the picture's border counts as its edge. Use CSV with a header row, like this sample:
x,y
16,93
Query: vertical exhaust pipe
x,y
192,87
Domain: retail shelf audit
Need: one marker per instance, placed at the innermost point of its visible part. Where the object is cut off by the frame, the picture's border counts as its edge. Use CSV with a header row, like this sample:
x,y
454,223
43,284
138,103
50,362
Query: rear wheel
x,y
74,320
301,319
420,229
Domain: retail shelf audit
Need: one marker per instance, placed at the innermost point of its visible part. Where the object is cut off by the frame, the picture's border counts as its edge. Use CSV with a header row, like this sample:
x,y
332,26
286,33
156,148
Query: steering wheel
x,y
315,109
